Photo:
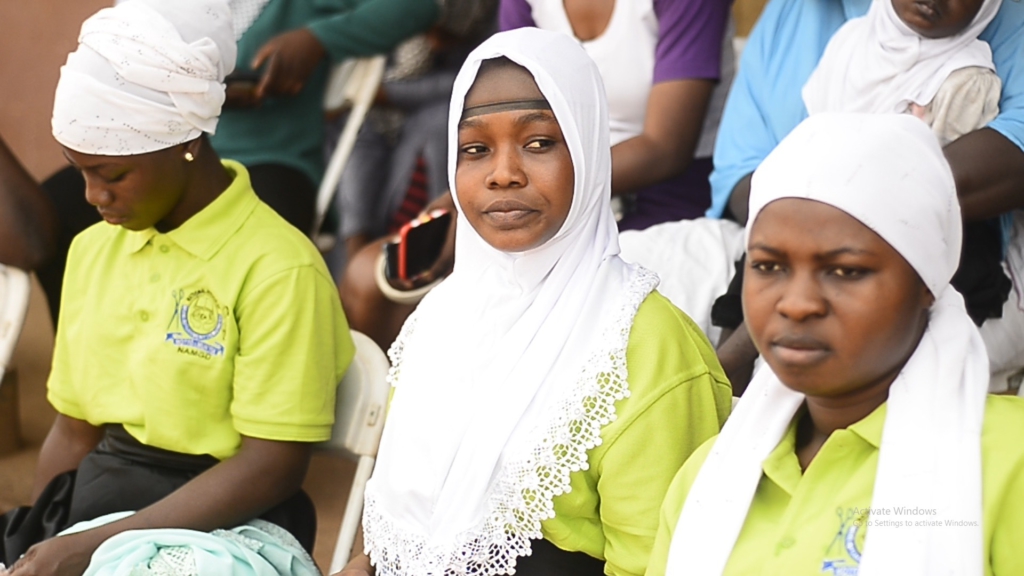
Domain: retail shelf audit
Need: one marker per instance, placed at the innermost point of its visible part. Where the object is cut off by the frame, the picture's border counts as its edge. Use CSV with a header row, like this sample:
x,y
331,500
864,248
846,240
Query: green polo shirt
x,y
679,397
229,325
814,522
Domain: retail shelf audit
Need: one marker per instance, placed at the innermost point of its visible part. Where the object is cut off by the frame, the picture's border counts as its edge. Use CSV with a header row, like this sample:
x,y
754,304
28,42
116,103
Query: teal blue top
x,y
290,130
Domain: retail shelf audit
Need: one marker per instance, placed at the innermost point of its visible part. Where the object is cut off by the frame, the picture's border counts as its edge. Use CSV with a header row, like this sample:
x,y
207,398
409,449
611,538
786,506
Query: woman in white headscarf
x,y
201,338
866,445
905,56
544,393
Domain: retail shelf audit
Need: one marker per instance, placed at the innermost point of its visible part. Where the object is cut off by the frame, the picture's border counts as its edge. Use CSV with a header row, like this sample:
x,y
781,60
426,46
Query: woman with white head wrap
x,y
866,444
201,338
544,392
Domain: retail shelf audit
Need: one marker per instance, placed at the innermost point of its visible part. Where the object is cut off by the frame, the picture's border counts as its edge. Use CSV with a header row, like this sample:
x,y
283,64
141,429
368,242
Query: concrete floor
x,y
327,483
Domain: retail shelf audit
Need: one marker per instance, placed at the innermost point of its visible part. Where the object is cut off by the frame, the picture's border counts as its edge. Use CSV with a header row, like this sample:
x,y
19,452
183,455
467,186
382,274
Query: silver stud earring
x,y
189,157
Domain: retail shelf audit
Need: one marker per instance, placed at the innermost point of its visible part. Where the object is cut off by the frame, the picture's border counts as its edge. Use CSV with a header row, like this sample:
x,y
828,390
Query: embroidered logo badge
x,y
843,554
197,325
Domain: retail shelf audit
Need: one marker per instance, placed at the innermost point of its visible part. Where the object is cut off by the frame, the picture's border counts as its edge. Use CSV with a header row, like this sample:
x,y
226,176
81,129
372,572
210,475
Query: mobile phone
x,y
419,245
242,80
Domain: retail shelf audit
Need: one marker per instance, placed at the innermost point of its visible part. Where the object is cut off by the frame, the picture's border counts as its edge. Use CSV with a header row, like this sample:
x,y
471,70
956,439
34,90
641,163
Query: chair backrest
x,y
353,83
15,286
362,400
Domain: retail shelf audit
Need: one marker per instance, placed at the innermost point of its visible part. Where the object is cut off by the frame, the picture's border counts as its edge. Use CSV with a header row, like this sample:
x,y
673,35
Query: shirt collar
x,y
781,465
207,231
870,427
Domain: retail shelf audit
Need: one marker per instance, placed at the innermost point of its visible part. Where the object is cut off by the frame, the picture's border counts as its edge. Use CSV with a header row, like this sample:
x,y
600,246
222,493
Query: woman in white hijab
x,y
906,56
544,394
866,445
201,338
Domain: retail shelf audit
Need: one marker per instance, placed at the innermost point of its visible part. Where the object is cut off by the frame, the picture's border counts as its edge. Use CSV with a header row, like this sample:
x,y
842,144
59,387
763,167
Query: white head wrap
x,y
888,172
147,75
507,371
876,63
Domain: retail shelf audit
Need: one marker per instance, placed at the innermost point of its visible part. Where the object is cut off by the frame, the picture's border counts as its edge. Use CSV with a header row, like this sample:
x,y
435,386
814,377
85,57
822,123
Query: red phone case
x,y
404,233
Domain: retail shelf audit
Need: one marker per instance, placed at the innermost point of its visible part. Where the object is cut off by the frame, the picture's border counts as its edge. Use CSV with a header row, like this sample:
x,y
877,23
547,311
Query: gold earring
x,y
189,157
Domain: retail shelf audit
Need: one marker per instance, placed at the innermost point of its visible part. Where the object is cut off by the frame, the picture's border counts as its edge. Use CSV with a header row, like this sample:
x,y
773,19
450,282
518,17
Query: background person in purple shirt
x,y
660,61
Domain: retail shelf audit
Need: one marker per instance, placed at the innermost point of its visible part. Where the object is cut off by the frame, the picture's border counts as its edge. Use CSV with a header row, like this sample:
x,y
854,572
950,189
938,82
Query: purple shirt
x,y
689,35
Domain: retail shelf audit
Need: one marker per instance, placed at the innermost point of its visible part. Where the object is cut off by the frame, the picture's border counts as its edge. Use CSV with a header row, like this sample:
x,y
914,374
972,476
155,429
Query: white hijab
x,y
507,371
876,63
147,75
888,172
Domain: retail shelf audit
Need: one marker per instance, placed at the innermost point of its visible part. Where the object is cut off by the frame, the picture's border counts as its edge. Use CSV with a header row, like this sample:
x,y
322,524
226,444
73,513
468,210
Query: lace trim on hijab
x,y
522,497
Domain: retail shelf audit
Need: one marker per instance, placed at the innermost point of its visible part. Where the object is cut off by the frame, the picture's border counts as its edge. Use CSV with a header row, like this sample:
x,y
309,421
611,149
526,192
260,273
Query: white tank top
x,y
624,54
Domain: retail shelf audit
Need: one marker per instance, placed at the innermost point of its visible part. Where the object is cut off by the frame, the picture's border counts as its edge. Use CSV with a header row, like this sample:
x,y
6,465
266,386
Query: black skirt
x,y
121,474
547,559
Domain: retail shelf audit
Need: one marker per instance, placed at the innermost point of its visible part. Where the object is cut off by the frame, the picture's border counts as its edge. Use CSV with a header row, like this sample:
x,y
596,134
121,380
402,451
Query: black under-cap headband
x,y
537,104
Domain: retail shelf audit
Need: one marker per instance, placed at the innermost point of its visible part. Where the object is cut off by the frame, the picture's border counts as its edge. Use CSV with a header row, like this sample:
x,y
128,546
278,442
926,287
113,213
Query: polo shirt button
x,y
164,248
144,316
787,542
154,278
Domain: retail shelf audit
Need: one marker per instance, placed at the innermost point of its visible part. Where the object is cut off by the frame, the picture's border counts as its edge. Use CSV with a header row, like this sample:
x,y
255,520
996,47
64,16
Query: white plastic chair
x,y
359,422
14,293
353,83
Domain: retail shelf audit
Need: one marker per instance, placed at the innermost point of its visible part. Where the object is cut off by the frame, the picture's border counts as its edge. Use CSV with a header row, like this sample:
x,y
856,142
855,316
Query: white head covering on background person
x,y
888,172
876,63
147,75
508,356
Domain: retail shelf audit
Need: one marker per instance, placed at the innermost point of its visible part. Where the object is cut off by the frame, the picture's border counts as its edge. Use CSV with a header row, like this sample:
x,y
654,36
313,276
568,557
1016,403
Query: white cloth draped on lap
x,y
507,371
147,75
888,172
876,63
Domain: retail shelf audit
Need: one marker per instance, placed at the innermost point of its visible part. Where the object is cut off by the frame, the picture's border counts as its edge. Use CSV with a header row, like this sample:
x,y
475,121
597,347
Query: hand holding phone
x,y
418,247
240,89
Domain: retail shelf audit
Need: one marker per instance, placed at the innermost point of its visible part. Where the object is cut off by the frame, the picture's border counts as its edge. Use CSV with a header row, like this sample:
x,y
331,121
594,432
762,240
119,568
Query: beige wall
x,y
35,38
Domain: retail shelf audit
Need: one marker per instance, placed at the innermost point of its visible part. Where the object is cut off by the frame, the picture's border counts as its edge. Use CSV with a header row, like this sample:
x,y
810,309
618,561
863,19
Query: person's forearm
x,y
262,475
665,148
989,173
68,441
737,353
740,199
28,230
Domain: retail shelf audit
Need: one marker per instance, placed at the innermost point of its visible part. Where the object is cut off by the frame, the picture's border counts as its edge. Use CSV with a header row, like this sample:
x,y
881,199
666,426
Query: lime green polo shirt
x,y
229,325
815,522
679,397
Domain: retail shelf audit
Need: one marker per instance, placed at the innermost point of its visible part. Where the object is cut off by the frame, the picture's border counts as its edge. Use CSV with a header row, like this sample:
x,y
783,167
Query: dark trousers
x,y
287,190
123,475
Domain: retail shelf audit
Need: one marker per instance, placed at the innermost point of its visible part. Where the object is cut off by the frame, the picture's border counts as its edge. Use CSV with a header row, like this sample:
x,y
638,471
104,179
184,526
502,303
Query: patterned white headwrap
x,y
147,75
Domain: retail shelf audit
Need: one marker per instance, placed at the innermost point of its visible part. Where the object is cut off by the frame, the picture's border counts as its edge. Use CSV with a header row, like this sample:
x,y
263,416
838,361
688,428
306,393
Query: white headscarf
x,y
507,371
876,63
888,172
147,75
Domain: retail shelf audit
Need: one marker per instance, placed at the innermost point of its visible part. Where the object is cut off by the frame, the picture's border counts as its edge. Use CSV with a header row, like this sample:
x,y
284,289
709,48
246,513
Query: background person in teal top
x,y
291,44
